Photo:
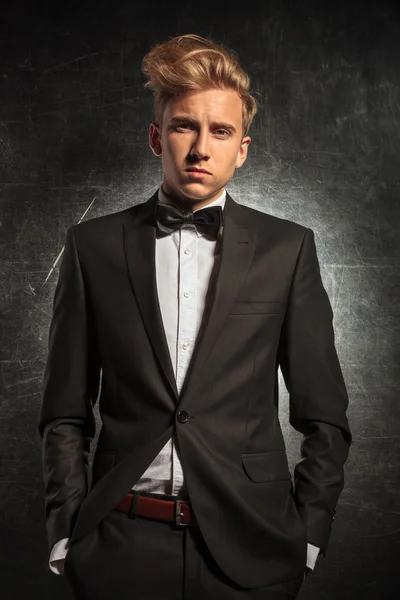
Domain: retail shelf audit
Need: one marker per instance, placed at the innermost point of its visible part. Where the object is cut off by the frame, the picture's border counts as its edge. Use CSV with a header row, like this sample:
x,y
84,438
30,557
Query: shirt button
x,y
188,251
186,294
183,416
185,346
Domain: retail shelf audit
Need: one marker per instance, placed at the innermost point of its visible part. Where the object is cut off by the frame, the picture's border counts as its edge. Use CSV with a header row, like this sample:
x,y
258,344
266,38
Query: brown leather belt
x,y
179,512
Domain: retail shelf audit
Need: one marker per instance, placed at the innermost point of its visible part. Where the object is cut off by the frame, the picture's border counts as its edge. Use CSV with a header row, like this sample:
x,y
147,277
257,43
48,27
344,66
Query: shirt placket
x,y
187,315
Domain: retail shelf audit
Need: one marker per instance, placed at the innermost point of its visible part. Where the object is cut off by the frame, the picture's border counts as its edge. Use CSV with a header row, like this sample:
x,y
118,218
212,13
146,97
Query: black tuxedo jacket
x,y
268,309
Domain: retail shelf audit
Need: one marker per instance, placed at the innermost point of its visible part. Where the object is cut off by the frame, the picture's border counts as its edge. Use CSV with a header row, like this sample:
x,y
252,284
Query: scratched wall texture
x,y
325,152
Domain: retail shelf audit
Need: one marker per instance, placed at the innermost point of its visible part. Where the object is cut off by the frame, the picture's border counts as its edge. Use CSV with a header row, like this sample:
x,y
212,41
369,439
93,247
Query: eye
x,y
182,125
222,131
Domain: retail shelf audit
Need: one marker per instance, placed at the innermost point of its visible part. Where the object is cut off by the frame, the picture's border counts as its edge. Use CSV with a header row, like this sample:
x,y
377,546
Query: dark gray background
x,y
325,152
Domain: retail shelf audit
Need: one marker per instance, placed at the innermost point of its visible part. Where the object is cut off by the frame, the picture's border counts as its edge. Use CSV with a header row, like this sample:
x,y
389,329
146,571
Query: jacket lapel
x,y
237,248
139,247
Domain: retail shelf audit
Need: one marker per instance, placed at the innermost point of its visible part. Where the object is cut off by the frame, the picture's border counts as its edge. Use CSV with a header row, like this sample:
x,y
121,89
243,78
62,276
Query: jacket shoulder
x,y
103,229
281,227
106,221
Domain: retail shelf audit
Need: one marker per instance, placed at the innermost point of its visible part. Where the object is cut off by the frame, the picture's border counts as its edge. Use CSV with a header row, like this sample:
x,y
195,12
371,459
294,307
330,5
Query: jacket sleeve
x,y
317,396
71,384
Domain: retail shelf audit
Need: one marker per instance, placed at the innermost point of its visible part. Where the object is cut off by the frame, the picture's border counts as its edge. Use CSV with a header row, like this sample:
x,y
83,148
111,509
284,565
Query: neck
x,y
190,204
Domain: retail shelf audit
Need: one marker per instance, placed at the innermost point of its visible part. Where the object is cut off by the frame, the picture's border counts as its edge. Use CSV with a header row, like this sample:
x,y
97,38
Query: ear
x,y
155,139
242,153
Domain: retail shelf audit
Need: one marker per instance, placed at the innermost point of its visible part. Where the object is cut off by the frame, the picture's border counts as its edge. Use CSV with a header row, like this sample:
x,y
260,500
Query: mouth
x,y
199,171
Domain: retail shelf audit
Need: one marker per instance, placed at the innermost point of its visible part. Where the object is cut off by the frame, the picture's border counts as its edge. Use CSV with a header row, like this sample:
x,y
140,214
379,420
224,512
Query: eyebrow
x,y
224,124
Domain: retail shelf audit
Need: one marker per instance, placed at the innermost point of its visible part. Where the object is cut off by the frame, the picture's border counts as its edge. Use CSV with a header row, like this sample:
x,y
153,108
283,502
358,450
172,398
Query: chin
x,y
196,191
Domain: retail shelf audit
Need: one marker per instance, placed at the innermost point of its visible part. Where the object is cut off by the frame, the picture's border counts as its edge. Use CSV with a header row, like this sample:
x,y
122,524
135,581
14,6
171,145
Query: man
x,y
186,305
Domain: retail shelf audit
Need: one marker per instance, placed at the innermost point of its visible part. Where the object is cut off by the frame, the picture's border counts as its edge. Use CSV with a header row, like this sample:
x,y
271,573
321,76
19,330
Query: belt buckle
x,y
179,514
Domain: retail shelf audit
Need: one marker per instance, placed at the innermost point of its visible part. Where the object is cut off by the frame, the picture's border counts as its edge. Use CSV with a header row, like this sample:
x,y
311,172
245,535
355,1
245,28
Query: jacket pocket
x,y
266,466
103,462
247,307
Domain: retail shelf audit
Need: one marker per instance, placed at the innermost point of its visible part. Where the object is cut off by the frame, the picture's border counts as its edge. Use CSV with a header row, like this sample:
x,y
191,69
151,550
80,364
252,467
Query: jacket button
x,y
183,416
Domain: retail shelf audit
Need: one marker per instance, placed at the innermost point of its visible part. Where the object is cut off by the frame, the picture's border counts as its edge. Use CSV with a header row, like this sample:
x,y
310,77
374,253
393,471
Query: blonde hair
x,y
190,62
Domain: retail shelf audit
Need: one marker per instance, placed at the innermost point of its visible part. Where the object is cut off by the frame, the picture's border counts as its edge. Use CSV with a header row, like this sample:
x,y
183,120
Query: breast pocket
x,y
248,307
266,466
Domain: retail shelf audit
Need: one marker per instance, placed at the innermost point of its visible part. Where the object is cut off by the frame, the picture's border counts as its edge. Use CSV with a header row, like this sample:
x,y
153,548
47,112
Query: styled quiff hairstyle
x,y
190,62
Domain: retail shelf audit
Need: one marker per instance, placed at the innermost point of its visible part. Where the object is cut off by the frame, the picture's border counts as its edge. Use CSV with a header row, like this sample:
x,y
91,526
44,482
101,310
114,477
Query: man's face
x,y
200,130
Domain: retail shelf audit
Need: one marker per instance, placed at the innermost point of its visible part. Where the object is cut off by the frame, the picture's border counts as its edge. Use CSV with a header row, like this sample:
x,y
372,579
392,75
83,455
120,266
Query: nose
x,y
200,146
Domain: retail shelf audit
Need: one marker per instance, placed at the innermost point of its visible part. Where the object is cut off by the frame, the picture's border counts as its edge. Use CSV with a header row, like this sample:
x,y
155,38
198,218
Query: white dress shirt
x,y
185,264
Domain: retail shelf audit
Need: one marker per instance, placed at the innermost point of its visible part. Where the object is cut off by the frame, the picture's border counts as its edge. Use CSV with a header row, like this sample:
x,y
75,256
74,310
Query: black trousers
x,y
146,559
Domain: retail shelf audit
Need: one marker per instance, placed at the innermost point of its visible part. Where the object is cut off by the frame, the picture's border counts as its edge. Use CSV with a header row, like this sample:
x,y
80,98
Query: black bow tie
x,y
170,217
